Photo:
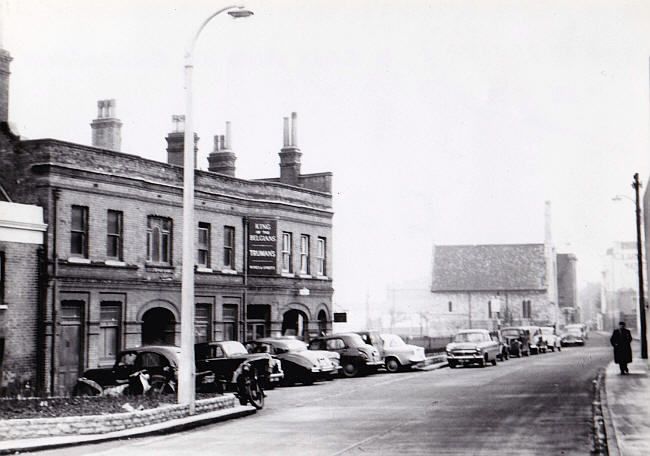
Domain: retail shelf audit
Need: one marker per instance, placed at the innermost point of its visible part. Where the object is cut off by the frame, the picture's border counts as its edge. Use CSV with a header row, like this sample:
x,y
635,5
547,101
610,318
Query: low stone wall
x,y
101,424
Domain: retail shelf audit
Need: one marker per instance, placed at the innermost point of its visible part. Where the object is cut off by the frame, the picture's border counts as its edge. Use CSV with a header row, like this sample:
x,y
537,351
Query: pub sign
x,y
262,244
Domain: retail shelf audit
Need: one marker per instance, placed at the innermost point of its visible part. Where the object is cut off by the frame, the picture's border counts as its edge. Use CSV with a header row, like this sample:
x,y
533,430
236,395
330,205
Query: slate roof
x,y
489,267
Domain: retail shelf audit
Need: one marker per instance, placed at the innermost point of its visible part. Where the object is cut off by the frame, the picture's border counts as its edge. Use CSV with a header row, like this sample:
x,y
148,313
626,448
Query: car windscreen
x,y
547,331
354,340
392,340
510,333
291,345
470,337
233,348
573,331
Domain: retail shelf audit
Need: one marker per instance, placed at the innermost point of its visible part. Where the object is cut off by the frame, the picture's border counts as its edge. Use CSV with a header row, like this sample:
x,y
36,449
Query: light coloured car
x,y
398,354
553,341
537,342
472,346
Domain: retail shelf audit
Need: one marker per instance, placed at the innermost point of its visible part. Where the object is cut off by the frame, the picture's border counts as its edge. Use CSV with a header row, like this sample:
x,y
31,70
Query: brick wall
x,y
102,424
18,322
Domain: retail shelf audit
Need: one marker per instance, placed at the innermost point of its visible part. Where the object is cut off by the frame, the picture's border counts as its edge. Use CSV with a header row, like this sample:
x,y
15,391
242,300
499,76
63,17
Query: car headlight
x,y
478,350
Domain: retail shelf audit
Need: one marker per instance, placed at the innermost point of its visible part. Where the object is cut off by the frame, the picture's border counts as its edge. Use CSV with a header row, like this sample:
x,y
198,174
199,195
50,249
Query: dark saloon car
x,y
357,357
226,359
299,364
518,340
158,362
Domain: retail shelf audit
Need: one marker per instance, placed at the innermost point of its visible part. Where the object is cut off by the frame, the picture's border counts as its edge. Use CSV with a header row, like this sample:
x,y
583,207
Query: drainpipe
x,y
469,303
55,261
245,254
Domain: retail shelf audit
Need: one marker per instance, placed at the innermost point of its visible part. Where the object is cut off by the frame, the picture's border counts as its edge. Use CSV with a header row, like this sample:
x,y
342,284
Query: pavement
x,y
626,409
175,425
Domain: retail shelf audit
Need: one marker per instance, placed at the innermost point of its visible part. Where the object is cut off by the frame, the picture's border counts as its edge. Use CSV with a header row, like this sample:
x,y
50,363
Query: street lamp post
x,y
644,343
186,387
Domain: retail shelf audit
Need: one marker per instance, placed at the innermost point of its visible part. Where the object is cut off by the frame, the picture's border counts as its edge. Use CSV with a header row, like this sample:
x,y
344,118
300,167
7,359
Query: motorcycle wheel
x,y
250,391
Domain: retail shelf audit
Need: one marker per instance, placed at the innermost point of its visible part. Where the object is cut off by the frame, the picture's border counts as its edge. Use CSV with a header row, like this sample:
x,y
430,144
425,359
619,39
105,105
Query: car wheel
x,y
494,361
481,362
308,380
392,365
160,386
452,364
350,370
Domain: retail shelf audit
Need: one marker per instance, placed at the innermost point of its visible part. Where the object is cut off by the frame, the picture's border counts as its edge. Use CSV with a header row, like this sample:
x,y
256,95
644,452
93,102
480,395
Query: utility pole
x,y
644,343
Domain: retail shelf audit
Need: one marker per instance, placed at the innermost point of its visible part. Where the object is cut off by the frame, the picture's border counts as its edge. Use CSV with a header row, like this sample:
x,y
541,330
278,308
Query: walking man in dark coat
x,y
621,340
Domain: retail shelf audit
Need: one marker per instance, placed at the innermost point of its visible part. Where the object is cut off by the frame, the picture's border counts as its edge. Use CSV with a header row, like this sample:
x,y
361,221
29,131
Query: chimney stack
x,y
222,159
5,59
106,129
290,154
176,143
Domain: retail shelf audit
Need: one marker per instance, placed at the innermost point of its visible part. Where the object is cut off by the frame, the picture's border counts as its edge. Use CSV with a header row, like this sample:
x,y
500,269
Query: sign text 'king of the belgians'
x,y
262,246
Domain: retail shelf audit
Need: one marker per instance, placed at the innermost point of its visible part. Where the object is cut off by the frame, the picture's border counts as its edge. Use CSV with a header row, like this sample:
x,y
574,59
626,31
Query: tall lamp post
x,y
644,343
186,387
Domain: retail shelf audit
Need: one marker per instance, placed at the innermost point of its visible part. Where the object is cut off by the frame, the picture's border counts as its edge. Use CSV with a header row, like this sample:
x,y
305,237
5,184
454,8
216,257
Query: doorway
x,y
158,327
295,323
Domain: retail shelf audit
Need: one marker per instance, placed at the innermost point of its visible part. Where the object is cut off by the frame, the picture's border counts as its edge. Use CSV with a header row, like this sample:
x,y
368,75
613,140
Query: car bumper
x,y
276,377
465,358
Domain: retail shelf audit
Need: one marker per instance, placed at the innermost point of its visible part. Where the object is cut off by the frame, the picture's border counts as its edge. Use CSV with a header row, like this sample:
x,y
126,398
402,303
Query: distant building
x,y
567,287
489,286
111,262
620,285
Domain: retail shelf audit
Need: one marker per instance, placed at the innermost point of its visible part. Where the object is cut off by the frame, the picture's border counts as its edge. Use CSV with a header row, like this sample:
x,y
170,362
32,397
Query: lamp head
x,y
241,12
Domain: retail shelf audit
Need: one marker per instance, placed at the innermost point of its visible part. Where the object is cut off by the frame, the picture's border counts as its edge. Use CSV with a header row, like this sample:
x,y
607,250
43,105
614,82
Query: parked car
x,y
158,365
518,340
503,344
582,327
357,357
472,346
572,336
299,364
553,341
537,342
398,354
231,364
373,338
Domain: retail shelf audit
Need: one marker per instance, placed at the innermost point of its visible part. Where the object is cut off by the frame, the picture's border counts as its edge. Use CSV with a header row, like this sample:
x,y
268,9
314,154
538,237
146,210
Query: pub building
x,y
109,269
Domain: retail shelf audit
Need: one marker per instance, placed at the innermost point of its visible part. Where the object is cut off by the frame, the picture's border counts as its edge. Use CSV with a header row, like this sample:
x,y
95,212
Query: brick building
x,y
21,240
112,252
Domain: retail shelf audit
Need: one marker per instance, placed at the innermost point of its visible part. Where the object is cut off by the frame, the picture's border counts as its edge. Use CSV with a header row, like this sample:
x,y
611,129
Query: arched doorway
x,y
322,323
158,327
295,323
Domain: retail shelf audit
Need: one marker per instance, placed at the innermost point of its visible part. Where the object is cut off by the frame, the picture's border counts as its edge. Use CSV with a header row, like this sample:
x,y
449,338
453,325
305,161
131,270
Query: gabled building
x,y
495,285
110,268
488,286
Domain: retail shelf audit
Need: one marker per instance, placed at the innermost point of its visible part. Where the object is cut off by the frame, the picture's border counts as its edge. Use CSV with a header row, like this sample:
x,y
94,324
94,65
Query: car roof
x,y
277,341
473,331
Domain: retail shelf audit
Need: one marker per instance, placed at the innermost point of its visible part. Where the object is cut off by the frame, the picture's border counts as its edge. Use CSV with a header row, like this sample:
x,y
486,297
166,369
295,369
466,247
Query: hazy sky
x,y
446,122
